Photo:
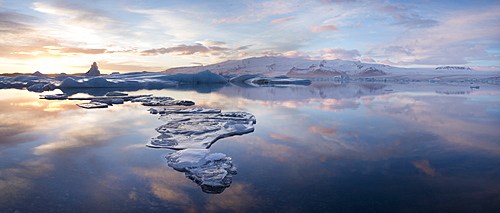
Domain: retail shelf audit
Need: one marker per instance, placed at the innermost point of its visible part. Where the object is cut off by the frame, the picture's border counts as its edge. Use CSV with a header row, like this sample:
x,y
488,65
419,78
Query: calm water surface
x,y
322,148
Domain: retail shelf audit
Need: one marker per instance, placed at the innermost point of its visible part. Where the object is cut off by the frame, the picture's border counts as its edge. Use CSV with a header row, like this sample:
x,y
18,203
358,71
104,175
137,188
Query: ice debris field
x,y
192,131
189,131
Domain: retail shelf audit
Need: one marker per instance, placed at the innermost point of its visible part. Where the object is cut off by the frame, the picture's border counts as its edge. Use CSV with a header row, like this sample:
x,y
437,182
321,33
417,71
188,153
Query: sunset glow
x,y
54,36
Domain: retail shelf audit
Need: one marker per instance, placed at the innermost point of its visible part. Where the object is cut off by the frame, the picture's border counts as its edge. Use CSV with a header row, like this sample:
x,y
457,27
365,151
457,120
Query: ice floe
x,y
119,98
92,105
191,131
54,97
212,171
169,103
151,98
184,110
198,129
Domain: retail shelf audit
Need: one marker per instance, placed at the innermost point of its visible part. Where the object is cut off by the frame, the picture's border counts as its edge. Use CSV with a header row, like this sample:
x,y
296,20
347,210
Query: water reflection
x,y
322,148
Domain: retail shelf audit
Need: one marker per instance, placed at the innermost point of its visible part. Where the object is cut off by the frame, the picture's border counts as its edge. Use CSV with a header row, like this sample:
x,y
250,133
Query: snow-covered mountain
x,y
270,65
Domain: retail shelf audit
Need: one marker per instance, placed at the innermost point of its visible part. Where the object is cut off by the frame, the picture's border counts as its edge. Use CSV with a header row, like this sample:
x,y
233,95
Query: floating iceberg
x,y
212,171
184,110
199,128
115,94
54,97
94,71
151,98
93,105
169,103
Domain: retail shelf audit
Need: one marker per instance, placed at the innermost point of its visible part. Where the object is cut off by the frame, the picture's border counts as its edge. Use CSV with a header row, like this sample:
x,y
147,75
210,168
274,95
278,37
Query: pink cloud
x,y
324,28
277,21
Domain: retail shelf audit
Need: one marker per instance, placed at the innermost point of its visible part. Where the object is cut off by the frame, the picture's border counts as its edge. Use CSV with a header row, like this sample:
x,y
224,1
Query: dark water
x,y
322,148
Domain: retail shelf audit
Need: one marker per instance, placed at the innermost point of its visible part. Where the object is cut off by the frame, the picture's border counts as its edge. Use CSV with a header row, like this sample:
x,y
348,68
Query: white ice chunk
x,y
198,78
215,156
92,105
169,103
93,71
213,172
200,130
109,101
151,98
54,97
40,87
185,110
183,159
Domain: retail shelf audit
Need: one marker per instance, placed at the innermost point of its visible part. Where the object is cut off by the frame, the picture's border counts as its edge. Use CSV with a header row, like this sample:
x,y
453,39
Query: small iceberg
x,y
54,97
151,98
212,171
169,103
199,128
184,110
93,105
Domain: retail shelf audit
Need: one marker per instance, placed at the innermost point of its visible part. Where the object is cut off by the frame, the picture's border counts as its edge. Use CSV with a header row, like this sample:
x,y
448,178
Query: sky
x,y
54,36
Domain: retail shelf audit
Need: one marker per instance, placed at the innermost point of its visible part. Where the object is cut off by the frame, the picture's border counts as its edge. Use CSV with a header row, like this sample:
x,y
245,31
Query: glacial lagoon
x,y
326,147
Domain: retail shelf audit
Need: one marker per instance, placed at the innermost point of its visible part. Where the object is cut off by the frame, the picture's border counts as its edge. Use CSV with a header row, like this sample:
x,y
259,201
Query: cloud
x,y
75,13
337,1
460,37
323,28
183,49
392,9
323,130
337,53
257,11
413,20
283,138
277,21
173,25
127,66
321,54
81,50
425,167
398,49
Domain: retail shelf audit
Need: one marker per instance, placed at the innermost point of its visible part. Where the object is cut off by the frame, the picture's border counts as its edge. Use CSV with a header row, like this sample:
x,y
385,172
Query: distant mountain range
x,y
270,65
453,68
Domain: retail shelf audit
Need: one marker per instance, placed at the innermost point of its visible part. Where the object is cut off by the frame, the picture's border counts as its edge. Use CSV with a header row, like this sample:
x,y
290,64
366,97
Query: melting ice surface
x,y
199,127
194,130
212,171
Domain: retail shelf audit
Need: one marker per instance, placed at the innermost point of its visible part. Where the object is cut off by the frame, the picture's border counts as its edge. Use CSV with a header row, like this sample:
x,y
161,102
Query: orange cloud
x,y
283,138
323,130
